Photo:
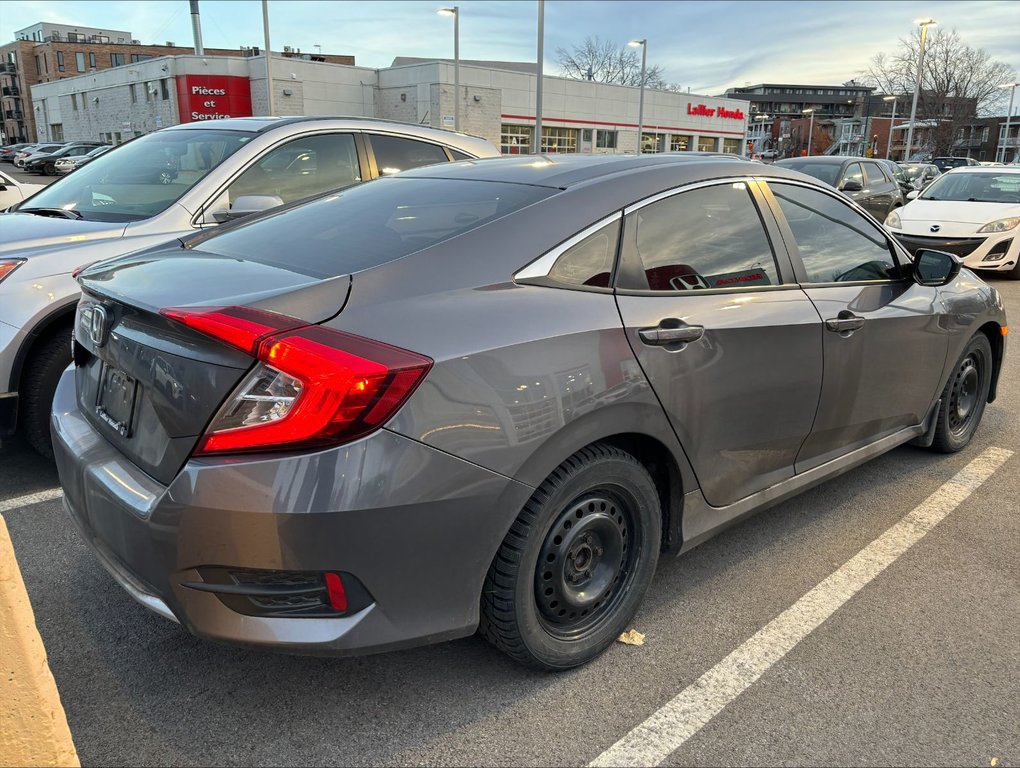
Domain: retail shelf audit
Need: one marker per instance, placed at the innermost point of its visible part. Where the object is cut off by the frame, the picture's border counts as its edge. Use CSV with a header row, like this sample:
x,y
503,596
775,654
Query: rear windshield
x,y
827,172
371,224
975,188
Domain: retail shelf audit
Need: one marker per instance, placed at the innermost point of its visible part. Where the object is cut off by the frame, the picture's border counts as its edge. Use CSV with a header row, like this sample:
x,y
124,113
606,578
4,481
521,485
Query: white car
x,y
12,192
971,211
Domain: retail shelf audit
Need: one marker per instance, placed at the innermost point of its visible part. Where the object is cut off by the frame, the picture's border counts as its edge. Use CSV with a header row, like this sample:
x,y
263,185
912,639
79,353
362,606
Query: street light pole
x,y
1009,117
536,140
455,12
924,23
892,121
269,56
641,94
811,128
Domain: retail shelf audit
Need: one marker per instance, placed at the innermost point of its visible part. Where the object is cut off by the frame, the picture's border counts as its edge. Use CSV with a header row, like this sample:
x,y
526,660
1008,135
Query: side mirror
x,y
851,186
912,195
935,268
246,205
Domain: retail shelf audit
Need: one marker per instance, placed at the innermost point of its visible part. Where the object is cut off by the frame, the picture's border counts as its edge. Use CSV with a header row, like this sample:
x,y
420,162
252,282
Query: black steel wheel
x,y
576,563
964,397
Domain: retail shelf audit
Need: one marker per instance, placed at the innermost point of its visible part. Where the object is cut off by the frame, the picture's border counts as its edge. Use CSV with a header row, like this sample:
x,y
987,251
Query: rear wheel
x,y
49,169
964,398
575,565
38,385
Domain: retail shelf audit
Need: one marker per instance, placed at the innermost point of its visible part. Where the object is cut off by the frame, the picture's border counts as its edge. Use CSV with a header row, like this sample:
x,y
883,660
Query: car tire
x,y
576,563
38,385
964,397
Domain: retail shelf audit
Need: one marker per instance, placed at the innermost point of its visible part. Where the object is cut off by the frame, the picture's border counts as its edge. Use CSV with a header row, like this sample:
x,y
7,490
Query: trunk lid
x,y
151,385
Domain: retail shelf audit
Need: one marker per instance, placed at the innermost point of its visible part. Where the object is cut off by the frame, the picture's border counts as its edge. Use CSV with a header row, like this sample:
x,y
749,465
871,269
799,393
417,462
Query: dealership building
x,y
496,100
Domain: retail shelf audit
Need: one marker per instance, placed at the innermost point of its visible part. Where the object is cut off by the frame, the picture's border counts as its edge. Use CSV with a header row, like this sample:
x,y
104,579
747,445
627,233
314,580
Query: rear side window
x,y
835,243
586,264
707,238
370,224
394,154
875,175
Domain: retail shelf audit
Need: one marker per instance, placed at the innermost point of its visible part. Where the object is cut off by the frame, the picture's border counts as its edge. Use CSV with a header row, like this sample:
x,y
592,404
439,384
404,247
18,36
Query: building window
x,y
60,61
164,85
984,134
679,143
74,102
92,61
79,61
38,66
116,137
605,139
136,57
515,139
731,146
706,144
150,91
57,131
134,93
84,102
116,59
559,140
652,142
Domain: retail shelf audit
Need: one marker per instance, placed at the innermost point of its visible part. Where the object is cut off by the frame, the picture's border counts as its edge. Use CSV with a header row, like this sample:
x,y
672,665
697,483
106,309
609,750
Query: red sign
x,y
209,97
702,111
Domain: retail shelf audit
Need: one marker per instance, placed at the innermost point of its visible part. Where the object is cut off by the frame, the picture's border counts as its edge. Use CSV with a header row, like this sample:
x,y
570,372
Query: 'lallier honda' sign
x,y
210,97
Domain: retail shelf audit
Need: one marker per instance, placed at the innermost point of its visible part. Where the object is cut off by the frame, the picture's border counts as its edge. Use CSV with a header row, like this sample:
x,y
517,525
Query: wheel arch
x,y
52,323
993,331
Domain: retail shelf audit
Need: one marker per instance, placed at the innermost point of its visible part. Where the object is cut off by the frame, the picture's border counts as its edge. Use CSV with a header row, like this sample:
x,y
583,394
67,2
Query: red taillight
x,y
313,386
9,265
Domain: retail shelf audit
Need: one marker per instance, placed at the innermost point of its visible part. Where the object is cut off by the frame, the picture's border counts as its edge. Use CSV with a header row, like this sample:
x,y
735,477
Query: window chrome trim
x,y
687,188
541,266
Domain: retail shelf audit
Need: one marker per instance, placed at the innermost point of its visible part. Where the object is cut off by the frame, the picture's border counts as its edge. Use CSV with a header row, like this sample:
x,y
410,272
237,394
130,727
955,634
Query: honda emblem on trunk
x,y
935,227
98,325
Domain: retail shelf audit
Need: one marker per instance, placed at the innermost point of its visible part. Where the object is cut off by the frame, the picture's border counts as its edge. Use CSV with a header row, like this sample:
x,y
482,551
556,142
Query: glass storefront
x,y
652,142
515,139
678,143
731,146
559,139
706,144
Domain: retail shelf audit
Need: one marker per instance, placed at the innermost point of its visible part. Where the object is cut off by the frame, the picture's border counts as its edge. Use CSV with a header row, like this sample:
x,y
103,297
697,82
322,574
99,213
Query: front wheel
x,y
573,569
964,398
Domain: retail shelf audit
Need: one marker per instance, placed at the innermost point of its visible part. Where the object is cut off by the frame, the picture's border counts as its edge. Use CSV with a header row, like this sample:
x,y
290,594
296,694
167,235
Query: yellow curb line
x,y
33,727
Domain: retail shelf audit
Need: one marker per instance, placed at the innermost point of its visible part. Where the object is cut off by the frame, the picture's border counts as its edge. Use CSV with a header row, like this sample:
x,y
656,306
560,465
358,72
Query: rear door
x,y
880,191
730,344
884,349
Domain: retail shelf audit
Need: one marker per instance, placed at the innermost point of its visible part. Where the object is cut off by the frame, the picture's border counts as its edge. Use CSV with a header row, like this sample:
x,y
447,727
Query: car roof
x,y
826,159
265,124
567,170
996,169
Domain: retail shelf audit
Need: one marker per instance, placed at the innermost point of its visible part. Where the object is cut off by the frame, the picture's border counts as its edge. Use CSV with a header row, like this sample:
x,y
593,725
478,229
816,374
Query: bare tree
x,y
603,61
957,83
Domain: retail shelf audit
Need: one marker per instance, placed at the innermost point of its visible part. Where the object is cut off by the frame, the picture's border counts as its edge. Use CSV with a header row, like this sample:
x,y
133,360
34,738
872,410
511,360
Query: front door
x,y
884,350
732,349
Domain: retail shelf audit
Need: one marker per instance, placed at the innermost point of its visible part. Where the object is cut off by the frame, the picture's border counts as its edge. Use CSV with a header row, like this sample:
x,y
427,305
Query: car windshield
x,y
827,172
370,224
143,177
975,188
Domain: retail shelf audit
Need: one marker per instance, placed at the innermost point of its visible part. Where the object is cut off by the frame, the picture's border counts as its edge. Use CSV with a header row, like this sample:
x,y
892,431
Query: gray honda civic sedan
x,y
490,395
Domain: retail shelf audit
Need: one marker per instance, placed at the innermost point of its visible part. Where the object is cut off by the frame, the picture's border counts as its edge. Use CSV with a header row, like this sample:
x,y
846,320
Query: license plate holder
x,y
115,404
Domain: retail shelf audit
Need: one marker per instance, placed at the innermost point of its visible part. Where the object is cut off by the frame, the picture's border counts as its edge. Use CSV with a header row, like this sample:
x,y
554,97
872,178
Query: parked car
x,y
899,174
489,395
13,191
7,153
67,164
174,182
22,156
971,212
948,163
920,175
859,178
46,163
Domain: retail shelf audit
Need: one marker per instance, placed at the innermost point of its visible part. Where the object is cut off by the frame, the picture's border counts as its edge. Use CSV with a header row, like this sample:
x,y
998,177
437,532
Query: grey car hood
x,y
25,234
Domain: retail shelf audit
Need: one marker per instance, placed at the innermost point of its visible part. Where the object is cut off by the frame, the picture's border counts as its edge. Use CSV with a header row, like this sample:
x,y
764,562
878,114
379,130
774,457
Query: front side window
x,y
853,172
835,243
394,154
875,175
298,169
705,239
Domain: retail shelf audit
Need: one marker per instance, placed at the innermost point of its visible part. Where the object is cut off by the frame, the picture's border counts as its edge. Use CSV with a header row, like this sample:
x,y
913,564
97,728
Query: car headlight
x,y
1002,225
893,220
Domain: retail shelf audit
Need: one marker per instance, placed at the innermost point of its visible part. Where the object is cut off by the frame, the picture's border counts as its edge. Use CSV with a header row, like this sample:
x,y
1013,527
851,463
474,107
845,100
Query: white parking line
x,y
32,498
666,730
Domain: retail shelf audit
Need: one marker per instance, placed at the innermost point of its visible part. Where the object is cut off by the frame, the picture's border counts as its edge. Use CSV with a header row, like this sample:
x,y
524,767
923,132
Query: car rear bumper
x,y
999,251
416,527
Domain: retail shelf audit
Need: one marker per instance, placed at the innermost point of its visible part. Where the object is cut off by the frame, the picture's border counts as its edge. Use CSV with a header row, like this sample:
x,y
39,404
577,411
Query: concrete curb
x,y
33,727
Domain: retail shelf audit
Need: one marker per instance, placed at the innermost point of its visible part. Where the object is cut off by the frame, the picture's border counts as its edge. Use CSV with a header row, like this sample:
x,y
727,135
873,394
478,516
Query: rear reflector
x,y
335,590
313,386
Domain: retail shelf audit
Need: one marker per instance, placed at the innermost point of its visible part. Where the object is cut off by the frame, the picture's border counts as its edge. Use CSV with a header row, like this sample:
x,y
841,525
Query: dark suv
x,y
949,163
864,180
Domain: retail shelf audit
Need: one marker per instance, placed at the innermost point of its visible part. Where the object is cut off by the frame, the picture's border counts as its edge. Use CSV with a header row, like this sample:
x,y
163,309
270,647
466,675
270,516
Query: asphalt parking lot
x,y
918,667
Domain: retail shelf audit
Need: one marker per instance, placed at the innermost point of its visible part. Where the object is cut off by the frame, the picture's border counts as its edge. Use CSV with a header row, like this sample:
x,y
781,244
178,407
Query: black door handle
x,y
845,322
660,337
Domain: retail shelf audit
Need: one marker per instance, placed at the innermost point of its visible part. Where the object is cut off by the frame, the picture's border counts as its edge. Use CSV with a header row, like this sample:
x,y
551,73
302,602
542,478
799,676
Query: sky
x,y
704,45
